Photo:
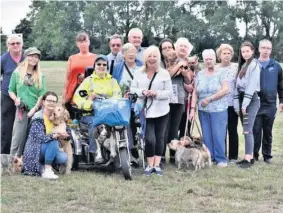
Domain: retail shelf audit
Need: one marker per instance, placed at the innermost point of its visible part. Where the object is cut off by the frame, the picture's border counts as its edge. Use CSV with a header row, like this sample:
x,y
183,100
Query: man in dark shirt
x,y
9,62
271,84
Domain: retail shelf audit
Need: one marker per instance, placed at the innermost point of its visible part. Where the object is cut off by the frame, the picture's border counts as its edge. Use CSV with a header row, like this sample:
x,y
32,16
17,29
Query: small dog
x,y
11,165
104,137
185,156
197,142
60,117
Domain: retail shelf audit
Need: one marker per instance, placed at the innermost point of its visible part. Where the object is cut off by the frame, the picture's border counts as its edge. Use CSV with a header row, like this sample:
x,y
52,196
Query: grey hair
x,y
183,40
14,36
127,46
116,36
264,41
208,52
135,30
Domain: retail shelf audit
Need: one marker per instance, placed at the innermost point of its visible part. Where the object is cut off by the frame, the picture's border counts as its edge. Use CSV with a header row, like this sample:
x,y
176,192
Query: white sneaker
x,y
49,174
221,164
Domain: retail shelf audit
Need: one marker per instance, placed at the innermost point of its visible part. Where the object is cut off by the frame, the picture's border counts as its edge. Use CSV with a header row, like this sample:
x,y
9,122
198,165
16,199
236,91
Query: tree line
x,y
52,25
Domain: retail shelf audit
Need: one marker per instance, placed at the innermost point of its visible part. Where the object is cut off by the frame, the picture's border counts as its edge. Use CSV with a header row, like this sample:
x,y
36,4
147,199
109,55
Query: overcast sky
x,y
12,11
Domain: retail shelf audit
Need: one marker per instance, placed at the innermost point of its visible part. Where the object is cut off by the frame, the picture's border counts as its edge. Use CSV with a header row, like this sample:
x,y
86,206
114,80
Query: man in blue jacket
x,y
9,62
271,84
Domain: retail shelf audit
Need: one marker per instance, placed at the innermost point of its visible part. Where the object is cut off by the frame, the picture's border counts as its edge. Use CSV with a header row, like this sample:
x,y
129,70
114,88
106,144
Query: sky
x,y
12,11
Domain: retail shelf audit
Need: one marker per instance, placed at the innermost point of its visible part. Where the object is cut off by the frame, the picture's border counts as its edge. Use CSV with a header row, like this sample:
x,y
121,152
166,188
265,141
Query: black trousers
x,y
8,111
233,148
154,135
262,131
172,128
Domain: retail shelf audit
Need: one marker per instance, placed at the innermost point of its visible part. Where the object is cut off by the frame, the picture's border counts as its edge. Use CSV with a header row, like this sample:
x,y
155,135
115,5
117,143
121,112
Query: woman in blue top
x,y
210,89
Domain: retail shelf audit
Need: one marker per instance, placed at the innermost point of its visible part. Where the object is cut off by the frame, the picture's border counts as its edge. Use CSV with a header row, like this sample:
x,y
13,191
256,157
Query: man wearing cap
x,y
26,88
99,83
9,62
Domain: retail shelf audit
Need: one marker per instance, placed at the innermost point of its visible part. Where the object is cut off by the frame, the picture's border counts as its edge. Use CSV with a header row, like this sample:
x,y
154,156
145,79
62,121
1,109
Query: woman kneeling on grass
x,y
42,145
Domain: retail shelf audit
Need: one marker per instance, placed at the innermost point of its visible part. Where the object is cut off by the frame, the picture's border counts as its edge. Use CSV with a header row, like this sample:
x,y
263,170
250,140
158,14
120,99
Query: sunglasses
x,y
184,67
17,43
117,45
51,101
100,64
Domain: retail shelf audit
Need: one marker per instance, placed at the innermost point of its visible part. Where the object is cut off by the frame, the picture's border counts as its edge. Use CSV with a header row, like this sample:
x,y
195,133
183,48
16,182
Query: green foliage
x,y
52,25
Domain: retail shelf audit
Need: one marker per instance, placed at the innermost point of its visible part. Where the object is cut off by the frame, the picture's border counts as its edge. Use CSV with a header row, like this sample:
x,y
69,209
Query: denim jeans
x,y
248,121
92,144
50,153
214,127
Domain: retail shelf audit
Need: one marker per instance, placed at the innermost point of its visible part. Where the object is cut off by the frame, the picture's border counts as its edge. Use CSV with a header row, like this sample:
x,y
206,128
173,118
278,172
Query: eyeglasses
x,y
184,67
100,64
117,45
167,48
51,101
17,43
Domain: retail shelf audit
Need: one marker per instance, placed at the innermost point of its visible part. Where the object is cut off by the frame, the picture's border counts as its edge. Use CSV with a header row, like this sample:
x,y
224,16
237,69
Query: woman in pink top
x,y
76,68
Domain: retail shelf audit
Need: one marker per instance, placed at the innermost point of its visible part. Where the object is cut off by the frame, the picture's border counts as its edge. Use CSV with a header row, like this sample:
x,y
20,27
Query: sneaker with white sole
x,y
49,174
221,164
158,171
148,171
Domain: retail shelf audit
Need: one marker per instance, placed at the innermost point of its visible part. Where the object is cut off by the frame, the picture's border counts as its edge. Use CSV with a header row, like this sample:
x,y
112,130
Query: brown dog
x,y
60,117
11,165
186,156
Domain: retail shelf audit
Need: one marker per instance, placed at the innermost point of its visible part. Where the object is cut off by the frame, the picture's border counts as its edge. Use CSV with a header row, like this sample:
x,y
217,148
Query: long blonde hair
x,y
36,74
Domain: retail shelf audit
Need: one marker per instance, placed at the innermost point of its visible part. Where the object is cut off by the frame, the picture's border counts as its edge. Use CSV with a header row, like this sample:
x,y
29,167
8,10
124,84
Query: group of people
x,y
170,86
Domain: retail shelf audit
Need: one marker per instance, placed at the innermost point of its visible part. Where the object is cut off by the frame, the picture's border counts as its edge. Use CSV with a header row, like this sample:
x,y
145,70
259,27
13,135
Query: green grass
x,y
53,64
228,190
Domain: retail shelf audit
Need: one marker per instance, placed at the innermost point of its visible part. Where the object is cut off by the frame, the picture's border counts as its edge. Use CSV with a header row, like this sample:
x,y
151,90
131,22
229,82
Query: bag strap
x,y
112,67
192,127
149,87
128,70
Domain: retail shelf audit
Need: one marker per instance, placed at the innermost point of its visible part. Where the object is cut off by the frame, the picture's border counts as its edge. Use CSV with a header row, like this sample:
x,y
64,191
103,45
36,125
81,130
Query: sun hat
x,y
32,51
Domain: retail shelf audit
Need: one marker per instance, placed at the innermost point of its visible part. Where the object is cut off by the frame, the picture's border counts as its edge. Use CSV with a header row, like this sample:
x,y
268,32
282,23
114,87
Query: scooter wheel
x,y
125,164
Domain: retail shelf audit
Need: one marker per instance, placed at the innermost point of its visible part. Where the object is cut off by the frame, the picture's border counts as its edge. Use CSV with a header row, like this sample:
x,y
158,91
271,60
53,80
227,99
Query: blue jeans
x,y
92,144
50,153
214,125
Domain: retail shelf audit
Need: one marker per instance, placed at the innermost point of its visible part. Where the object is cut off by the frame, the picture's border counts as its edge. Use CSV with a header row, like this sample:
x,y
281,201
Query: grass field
x,y
227,190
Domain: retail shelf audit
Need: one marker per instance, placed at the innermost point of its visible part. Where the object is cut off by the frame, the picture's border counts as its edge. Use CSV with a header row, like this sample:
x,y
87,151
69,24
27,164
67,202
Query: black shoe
x,y
240,162
245,164
253,161
172,160
163,159
267,160
256,158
